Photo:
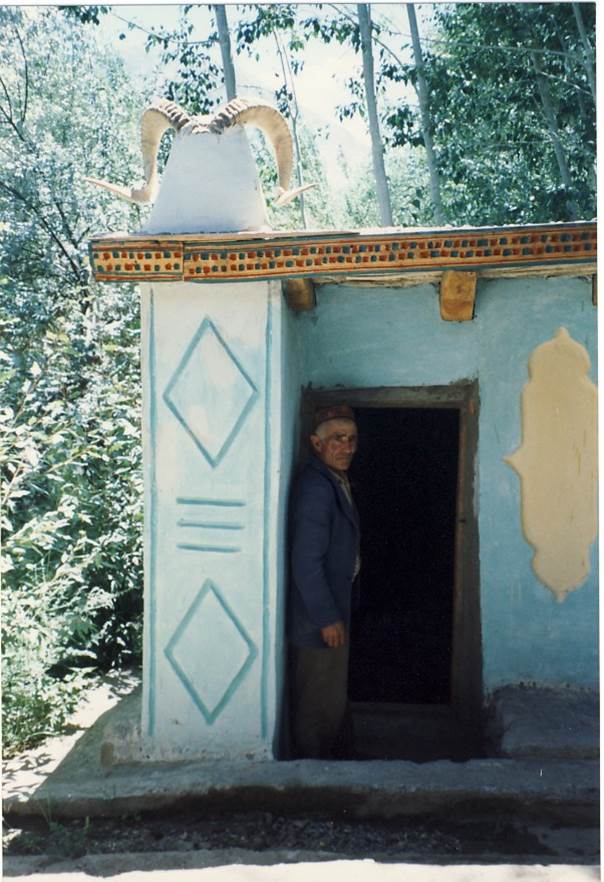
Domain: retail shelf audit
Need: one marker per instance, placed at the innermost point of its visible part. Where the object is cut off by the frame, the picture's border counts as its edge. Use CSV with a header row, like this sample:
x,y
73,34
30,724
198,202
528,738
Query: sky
x,y
321,85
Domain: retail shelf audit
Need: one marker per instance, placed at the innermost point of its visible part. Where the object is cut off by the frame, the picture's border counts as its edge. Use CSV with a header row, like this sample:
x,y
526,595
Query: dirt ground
x,y
422,841
415,839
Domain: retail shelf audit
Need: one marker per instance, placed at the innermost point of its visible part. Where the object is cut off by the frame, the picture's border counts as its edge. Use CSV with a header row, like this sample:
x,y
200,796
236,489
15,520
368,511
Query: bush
x,y
70,437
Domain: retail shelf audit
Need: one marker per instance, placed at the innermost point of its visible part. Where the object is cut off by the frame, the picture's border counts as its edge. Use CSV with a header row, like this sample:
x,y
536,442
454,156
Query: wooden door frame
x,y
466,659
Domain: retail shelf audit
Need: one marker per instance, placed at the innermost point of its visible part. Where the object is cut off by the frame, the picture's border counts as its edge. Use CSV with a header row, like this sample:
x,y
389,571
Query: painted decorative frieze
x,y
557,463
273,255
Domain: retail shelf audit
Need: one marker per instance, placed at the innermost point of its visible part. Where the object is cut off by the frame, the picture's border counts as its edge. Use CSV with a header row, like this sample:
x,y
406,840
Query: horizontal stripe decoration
x,y
278,255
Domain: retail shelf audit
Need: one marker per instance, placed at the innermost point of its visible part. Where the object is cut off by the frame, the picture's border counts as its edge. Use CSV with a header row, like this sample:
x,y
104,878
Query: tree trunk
x,y
569,68
422,94
587,50
377,151
552,125
224,39
569,64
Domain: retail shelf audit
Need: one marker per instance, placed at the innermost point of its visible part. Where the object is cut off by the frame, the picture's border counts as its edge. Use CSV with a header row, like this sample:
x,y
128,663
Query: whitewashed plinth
x,y
211,376
210,183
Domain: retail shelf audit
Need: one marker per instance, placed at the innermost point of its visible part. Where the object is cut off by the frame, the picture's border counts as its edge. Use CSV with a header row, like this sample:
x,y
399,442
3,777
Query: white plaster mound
x,y
210,185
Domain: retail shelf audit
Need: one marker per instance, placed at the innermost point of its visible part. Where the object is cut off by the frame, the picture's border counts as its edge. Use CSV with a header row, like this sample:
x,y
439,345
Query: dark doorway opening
x,y
405,479
415,684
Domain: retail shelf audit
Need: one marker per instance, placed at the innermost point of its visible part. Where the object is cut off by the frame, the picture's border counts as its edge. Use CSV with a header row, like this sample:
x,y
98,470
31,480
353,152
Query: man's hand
x,y
334,635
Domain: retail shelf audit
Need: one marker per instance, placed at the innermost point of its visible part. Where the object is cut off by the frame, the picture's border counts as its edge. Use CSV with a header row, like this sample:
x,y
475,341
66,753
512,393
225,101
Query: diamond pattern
x,y
210,393
210,652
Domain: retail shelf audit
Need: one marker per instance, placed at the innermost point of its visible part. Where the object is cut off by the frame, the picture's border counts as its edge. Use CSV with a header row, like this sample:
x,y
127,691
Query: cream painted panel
x,y
557,463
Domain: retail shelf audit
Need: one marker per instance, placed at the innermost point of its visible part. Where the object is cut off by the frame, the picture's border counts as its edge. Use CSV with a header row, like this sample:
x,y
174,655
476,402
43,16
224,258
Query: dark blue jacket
x,y
324,547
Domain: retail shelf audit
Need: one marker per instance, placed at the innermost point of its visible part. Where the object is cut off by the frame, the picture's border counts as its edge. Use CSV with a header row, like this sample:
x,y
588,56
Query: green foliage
x,y
494,143
86,14
70,410
343,28
34,704
197,73
62,839
409,189
318,202
257,21
495,147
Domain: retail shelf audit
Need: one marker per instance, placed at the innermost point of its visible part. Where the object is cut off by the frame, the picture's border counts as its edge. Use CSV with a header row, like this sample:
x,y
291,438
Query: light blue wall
x,y
527,634
289,417
395,337
384,337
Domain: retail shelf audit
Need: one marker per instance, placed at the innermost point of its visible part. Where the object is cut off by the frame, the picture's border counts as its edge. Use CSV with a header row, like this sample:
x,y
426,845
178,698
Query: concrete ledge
x,y
78,781
529,721
563,790
121,737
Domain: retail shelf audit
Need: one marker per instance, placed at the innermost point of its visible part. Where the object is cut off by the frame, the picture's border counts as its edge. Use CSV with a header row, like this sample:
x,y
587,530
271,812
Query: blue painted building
x,y
470,359
394,337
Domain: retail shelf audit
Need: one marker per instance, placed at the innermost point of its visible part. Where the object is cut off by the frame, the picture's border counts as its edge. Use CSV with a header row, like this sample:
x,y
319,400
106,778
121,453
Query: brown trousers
x,y
321,723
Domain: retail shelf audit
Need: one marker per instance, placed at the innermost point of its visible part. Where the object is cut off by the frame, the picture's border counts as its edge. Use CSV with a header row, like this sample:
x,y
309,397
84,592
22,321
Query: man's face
x,y
336,444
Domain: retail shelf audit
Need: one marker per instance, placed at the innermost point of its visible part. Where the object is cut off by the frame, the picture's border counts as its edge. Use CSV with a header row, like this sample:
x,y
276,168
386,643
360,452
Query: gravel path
x,y
262,831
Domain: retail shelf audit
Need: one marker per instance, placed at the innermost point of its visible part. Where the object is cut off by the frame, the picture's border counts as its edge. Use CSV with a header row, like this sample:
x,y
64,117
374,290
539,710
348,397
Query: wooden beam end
x,y
300,294
457,296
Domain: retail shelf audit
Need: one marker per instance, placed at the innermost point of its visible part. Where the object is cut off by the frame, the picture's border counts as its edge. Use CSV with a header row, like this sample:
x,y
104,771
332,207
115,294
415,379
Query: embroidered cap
x,y
335,412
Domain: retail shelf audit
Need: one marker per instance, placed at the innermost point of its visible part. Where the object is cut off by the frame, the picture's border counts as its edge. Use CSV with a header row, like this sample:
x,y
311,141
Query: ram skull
x,y
163,114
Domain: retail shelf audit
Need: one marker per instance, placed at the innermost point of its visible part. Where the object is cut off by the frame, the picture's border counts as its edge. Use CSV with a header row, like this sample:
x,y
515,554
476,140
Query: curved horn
x,y
272,122
154,122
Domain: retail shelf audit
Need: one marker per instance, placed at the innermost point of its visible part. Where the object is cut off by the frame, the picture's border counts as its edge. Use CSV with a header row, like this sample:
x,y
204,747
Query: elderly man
x,y
325,563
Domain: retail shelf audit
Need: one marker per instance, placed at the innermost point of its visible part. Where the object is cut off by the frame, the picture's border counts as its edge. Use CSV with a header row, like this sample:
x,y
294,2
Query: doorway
x,y
415,664
405,480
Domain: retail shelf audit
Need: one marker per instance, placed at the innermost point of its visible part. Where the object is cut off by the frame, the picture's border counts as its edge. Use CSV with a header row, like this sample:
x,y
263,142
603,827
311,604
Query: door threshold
x,y
414,732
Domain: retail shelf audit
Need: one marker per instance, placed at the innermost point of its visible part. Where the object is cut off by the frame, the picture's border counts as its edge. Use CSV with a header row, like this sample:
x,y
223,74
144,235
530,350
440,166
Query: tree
x,y
224,39
409,186
510,110
514,144
71,476
588,52
377,149
554,132
506,95
426,124
360,32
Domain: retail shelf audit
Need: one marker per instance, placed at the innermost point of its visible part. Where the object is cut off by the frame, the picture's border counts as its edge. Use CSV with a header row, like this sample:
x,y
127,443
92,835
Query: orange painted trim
x,y
190,258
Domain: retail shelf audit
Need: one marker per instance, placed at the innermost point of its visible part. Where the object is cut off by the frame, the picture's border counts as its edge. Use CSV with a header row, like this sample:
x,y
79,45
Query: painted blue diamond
x,y
210,393
210,652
